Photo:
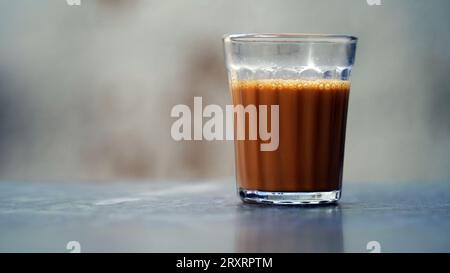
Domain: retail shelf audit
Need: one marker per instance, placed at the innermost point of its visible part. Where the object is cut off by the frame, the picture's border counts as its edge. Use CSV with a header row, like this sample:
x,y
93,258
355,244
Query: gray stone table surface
x,y
207,216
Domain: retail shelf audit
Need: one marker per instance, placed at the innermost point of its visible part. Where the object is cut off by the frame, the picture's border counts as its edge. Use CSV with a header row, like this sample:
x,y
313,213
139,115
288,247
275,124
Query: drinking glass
x,y
290,95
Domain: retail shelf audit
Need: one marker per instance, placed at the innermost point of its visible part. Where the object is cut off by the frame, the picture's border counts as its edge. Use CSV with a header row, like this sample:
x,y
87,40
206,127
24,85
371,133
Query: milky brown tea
x,y
312,121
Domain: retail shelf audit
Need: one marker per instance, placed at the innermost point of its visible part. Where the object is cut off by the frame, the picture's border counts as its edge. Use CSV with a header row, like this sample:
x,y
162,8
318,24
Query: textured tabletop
x,y
206,216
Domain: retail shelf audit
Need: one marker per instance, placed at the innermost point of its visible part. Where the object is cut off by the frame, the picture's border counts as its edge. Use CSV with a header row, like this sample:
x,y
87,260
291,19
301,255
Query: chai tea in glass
x,y
306,77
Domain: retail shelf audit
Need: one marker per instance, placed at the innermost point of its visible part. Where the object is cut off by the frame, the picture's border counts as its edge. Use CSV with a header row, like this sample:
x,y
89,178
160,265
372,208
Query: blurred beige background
x,y
86,92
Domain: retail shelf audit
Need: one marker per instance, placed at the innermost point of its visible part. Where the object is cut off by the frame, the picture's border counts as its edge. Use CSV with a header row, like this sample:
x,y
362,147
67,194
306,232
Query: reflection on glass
x,y
273,229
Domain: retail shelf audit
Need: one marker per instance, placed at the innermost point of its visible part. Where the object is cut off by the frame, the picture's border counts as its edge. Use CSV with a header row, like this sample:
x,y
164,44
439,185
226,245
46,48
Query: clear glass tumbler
x,y
290,95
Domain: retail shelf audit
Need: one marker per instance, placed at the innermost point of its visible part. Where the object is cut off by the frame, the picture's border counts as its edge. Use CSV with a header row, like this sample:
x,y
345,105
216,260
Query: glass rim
x,y
288,38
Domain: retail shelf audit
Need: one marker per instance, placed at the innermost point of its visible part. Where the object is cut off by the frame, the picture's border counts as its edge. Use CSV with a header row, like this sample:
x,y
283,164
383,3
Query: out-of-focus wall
x,y
86,92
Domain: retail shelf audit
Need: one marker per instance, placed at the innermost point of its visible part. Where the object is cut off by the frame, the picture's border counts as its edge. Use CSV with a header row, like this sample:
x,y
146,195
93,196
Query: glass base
x,y
289,198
